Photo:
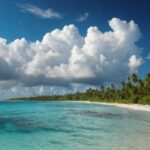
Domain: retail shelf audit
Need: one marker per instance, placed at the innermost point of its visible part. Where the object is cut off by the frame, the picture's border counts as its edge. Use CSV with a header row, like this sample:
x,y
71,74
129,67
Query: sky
x,y
59,46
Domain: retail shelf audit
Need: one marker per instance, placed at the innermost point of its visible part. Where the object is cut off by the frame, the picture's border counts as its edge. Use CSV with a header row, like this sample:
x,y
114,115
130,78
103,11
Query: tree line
x,y
131,90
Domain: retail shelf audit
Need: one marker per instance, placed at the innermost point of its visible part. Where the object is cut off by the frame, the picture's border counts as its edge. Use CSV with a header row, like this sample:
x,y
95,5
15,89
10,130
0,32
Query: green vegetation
x,y
133,90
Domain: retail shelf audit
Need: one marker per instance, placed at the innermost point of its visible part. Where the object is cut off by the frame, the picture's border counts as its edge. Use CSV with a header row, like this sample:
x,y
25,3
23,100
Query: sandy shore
x,y
128,106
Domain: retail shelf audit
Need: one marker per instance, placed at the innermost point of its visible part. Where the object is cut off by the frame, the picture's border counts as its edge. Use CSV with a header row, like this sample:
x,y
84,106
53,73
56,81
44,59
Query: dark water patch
x,y
106,115
55,129
56,142
84,135
85,141
24,125
19,114
15,124
93,129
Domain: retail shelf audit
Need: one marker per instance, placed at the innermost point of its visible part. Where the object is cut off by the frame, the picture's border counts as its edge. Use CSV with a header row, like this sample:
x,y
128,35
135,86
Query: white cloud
x,y
42,13
64,57
83,17
134,63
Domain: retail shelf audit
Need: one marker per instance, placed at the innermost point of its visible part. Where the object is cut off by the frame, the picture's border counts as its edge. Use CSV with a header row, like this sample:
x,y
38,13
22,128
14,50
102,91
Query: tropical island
x,y
75,75
131,91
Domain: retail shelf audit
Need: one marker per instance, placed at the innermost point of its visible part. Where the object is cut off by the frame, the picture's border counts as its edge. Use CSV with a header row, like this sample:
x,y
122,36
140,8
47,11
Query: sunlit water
x,y
72,126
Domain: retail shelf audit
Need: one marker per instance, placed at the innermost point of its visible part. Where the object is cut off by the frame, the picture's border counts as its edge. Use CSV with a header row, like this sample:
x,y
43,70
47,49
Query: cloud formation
x,y
64,57
134,63
39,12
83,17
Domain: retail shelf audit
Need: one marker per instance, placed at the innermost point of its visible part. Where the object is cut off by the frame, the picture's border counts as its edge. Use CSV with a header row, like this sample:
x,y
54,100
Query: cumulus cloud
x,y
42,13
83,17
134,63
63,57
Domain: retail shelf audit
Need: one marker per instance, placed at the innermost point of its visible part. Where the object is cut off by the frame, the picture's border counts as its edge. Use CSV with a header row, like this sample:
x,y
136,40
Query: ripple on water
x,y
45,126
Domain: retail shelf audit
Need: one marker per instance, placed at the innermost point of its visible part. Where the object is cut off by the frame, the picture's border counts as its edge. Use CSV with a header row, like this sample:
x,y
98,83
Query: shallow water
x,y
72,126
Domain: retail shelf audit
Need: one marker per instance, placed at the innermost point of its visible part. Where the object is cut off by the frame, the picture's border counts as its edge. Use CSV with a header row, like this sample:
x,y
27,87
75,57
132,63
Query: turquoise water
x,y
72,126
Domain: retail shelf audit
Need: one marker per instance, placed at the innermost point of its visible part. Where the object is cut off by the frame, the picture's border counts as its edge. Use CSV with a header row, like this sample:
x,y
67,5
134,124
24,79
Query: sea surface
x,y
72,126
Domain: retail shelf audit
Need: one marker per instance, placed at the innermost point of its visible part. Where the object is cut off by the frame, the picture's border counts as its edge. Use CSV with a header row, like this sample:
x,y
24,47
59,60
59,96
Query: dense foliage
x,y
133,90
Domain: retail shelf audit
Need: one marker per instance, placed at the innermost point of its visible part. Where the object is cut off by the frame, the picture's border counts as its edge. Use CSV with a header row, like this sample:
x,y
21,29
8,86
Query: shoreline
x,y
138,107
129,106
121,105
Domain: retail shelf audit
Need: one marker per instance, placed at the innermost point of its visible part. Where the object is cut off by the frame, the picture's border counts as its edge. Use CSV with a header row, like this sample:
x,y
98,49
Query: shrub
x,y
145,100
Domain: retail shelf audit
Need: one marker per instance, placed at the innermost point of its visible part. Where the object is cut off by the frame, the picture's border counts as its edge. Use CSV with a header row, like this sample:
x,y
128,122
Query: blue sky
x,y
15,24
33,19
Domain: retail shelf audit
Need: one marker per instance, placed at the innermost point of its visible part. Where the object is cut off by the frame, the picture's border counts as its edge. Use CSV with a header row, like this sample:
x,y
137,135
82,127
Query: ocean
x,y
72,126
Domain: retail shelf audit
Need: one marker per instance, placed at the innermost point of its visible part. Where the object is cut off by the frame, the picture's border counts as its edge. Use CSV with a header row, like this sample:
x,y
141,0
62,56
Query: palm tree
x,y
112,86
129,88
102,88
140,87
123,85
134,78
147,83
113,90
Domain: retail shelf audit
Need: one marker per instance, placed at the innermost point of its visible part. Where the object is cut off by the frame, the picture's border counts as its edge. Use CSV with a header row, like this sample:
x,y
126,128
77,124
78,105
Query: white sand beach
x,y
128,106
